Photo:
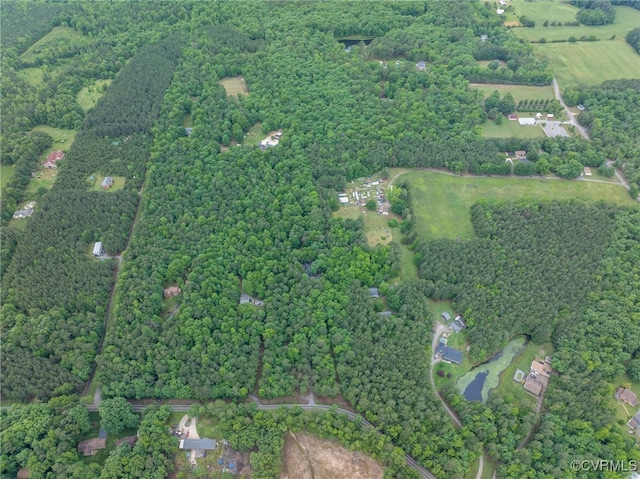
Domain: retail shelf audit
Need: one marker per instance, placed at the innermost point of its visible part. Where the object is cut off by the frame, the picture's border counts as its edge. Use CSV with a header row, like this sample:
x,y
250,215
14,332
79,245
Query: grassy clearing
x,y
33,76
187,121
627,18
5,174
118,183
209,428
234,86
376,227
441,202
89,95
513,391
510,129
62,139
45,178
494,368
519,92
590,63
254,136
69,35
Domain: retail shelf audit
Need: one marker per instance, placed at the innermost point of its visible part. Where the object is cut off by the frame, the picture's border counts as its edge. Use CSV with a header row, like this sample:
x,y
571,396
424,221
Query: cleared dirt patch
x,y
307,457
234,86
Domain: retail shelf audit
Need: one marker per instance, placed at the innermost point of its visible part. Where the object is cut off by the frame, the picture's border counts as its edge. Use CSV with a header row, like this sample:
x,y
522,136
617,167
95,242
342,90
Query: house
x,y
91,446
245,298
484,38
385,314
107,182
171,291
521,155
634,422
446,316
448,354
272,139
527,121
625,395
458,324
533,386
513,117
188,131
538,116
582,107
23,213
500,11
549,116
200,446
374,293
131,440
23,473
53,158
540,368
421,66
98,249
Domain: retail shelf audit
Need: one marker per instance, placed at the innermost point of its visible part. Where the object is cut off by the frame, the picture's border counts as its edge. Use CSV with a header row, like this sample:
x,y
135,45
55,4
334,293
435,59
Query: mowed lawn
x,y
234,86
519,92
62,139
590,63
442,202
89,96
510,129
69,35
626,19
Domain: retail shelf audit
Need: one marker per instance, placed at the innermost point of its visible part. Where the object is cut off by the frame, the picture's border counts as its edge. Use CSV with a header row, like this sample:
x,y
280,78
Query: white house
x,y
98,250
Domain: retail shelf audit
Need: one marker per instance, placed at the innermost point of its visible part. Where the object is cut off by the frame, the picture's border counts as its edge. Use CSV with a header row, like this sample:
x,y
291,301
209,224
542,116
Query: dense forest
x,y
219,217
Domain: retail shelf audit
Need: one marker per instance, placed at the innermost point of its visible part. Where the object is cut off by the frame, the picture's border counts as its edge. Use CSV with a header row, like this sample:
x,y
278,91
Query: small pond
x,y
476,383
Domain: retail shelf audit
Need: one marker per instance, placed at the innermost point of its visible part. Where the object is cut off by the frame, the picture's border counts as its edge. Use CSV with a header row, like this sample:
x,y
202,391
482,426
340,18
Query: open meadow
x,y
62,138
590,63
442,202
89,96
57,34
234,86
5,174
510,129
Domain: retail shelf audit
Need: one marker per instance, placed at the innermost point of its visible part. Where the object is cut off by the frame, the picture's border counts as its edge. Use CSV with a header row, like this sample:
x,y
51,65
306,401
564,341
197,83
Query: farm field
x,y
519,92
627,18
234,86
441,202
5,174
89,96
67,34
510,129
590,63
308,457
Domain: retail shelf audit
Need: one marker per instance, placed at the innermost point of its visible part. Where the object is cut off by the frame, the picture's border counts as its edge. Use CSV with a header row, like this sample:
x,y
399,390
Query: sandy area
x,y
307,457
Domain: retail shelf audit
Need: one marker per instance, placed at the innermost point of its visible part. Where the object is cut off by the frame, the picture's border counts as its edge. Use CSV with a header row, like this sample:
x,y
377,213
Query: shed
x,y
483,38
527,121
581,107
513,117
98,249
549,116
587,171
521,155
188,131
446,316
499,11
421,66
202,444
107,182
171,291
374,293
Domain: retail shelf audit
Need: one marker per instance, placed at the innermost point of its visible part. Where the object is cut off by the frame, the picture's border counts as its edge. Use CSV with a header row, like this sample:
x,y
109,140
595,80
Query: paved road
x,y
572,119
184,407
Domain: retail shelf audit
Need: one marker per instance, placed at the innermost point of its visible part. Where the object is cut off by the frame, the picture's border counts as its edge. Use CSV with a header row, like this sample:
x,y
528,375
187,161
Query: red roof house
x,y
513,117
53,158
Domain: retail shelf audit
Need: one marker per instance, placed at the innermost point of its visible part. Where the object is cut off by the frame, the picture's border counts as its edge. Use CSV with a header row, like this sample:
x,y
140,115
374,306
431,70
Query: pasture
x,y
590,63
627,18
442,202
234,86
89,95
510,129
519,92
58,34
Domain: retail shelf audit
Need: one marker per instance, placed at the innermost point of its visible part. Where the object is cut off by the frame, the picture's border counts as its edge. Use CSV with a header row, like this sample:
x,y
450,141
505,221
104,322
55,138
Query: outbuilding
x,y
98,249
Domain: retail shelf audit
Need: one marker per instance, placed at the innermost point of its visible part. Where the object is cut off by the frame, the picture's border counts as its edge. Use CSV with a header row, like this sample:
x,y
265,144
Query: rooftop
x,y
206,444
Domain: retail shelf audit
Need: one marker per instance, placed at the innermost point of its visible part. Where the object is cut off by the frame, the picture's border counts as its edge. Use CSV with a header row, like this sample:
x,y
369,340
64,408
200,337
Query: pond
x,y
476,384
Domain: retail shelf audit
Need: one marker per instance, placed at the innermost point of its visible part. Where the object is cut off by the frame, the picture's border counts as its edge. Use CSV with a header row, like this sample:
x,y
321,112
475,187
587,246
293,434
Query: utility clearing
x,y
308,457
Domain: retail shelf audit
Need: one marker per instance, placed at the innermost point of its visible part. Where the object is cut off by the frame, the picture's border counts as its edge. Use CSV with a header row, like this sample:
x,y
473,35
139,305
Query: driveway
x,y
553,128
572,119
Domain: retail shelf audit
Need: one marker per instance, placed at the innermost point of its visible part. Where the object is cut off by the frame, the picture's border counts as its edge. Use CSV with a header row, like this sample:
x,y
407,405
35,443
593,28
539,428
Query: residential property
x,y
447,354
53,158
131,440
91,446
386,314
458,324
23,213
521,155
538,116
549,116
200,446
513,117
374,293
538,378
98,249
246,299
421,66
171,291
271,140
626,396
188,131
500,11
527,121
634,422
343,199
446,316
533,386
484,38
107,182
587,171
582,107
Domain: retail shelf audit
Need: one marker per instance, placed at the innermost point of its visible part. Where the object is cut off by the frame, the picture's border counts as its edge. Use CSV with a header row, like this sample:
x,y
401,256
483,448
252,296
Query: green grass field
x,y
67,34
89,96
510,129
441,201
627,18
45,178
5,174
590,63
234,86
33,76
62,139
254,136
519,92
